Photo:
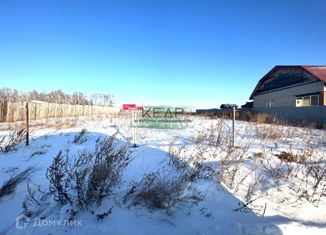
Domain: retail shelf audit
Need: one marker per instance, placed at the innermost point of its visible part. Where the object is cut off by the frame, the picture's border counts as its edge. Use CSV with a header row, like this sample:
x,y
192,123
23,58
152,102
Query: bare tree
x,y
58,96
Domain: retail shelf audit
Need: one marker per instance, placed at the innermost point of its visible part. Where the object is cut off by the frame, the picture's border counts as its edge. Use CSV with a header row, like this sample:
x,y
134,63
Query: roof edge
x,y
304,67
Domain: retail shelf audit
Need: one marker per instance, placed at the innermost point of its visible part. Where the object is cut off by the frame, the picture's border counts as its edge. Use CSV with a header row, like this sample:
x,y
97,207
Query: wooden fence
x,y
12,112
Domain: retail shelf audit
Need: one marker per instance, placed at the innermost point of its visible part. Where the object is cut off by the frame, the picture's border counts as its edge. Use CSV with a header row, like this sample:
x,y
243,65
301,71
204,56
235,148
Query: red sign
x,y
126,107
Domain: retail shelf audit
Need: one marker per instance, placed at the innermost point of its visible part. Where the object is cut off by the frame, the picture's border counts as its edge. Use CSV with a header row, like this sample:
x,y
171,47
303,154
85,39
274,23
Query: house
x,y
294,93
291,86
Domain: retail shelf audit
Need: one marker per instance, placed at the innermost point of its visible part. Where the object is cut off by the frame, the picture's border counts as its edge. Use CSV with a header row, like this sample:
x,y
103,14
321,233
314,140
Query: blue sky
x,y
200,53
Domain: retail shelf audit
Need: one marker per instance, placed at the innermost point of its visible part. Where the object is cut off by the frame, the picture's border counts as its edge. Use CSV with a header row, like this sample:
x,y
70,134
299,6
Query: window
x,y
309,100
314,100
269,103
306,101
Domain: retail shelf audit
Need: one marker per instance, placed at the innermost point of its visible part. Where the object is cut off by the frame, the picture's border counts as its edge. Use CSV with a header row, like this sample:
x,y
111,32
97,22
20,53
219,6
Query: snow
x,y
213,215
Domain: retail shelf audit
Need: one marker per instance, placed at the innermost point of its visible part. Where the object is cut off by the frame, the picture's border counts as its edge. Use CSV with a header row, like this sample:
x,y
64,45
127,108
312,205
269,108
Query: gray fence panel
x,y
316,114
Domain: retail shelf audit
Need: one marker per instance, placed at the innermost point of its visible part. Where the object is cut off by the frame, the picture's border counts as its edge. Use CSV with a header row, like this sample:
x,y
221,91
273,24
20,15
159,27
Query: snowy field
x,y
272,182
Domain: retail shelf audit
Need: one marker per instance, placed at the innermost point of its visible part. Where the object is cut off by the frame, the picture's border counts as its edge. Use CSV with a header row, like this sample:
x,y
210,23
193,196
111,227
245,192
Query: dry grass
x,y
160,192
10,185
10,141
290,157
81,137
273,132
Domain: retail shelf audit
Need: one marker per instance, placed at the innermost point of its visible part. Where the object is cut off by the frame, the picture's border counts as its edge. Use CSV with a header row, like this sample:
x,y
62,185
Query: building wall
x,y
287,97
323,98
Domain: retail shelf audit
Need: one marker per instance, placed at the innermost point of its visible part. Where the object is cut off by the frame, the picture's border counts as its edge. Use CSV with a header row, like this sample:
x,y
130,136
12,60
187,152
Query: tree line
x,y
58,96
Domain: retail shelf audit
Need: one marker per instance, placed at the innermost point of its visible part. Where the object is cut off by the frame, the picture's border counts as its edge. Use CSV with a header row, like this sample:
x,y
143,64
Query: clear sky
x,y
201,53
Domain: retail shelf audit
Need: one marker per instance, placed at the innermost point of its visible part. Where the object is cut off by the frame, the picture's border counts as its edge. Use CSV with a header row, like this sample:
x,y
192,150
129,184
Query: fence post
x,y
233,123
133,129
27,124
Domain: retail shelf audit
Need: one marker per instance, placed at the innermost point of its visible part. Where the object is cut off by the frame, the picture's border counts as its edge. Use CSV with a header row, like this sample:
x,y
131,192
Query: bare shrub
x,y
274,167
104,215
229,166
214,136
273,132
10,185
193,162
81,137
35,201
107,169
253,187
82,168
158,192
58,176
90,177
313,181
303,174
175,154
9,142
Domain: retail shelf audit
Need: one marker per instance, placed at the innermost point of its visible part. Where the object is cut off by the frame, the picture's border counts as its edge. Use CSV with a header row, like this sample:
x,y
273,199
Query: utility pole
x,y
27,124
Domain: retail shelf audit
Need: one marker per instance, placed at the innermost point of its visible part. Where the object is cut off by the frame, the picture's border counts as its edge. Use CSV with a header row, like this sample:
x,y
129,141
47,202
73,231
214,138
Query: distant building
x,y
292,92
228,106
247,105
206,111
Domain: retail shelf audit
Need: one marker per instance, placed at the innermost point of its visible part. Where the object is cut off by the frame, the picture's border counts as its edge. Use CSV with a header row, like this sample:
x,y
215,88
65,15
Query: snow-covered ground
x,y
246,189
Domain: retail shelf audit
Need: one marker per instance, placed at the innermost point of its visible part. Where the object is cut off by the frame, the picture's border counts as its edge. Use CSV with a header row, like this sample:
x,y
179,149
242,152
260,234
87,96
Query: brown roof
x,y
318,71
